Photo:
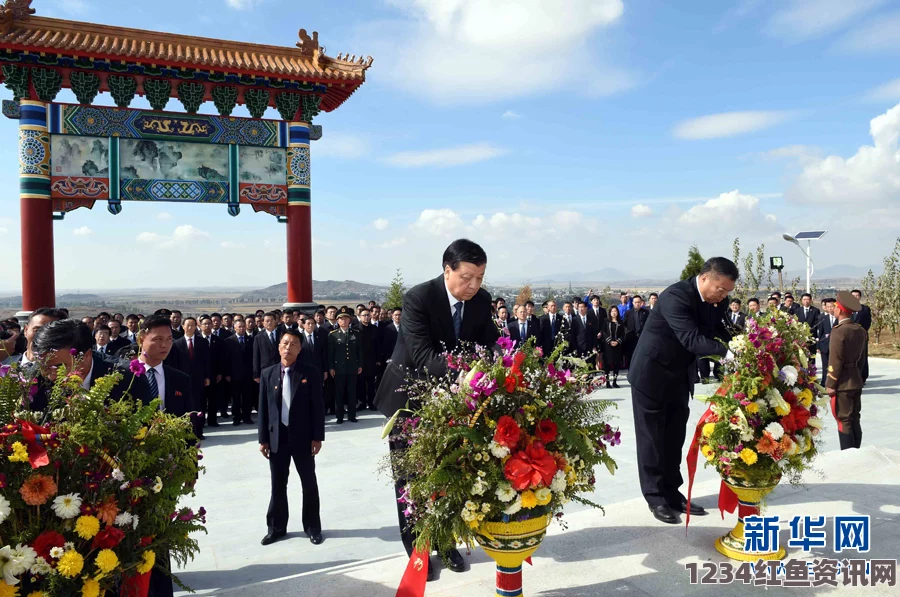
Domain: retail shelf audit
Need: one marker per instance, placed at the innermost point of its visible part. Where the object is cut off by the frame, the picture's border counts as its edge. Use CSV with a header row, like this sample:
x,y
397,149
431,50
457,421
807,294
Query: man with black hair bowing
x,y
437,316
687,323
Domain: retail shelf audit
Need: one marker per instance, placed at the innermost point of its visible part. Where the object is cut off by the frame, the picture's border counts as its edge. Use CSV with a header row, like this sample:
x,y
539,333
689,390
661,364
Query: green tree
x,y
694,263
394,296
883,295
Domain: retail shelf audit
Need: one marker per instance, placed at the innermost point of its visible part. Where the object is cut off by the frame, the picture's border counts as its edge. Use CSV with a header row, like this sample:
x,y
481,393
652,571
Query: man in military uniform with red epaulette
x,y
844,379
345,359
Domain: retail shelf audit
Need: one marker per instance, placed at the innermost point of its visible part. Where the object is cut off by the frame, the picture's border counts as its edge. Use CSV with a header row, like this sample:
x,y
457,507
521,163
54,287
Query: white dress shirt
x,y
160,382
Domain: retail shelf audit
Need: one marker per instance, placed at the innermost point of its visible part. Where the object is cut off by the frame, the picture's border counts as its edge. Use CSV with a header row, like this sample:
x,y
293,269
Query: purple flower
x,y
4,369
506,343
137,367
507,361
73,351
813,410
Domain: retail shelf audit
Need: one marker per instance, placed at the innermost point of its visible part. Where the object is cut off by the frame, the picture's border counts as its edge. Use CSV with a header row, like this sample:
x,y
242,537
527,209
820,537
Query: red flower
x,y
108,538
508,432
532,467
545,431
46,541
510,383
795,420
790,398
145,541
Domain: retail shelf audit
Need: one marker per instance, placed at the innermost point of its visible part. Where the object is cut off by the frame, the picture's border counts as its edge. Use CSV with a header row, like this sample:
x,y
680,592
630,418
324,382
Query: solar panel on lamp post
x,y
808,236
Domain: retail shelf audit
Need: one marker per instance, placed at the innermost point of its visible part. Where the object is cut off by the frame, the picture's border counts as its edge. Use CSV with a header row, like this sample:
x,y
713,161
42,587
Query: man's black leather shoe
x,y
664,514
353,420
316,538
273,537
455,561
340,421
695,509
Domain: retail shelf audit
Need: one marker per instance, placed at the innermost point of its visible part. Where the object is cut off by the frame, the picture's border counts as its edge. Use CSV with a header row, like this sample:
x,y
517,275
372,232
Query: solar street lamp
x,y
808,237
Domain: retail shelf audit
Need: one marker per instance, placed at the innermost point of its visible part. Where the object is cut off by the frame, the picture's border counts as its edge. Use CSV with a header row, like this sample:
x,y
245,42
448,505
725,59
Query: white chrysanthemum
x,y
16,562
747,434
775,430
57,552
737,344
558,485
505,492
514,507
158,485
67,506
479,487
468,515
124,519
5,509
789,374
485,507
498,450
41,567
118,475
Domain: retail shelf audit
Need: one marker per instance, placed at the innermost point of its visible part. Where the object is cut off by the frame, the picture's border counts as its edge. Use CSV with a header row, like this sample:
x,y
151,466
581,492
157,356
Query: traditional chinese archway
x,y
71,156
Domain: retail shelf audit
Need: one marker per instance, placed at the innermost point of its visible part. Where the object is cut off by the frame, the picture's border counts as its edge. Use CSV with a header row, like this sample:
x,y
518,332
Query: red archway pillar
x,y
299,226
36,207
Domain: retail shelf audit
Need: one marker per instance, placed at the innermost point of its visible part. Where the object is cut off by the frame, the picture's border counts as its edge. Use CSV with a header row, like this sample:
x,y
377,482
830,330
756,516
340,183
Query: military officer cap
x,y
345,312
848,302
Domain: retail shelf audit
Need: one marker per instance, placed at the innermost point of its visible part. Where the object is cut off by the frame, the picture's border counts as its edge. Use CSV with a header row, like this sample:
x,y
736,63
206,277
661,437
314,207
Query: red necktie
x,y
191,347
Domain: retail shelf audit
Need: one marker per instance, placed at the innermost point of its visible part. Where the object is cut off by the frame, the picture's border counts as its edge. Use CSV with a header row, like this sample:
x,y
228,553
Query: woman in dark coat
x,y
614,344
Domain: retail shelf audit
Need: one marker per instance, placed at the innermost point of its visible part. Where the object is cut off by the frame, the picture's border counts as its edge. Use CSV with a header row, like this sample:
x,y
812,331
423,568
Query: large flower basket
x,y
732,545
136,585
509,544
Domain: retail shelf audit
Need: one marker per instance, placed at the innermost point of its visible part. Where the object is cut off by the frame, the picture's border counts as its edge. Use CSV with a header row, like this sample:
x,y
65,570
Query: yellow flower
x,y
473,524
782,411
543,495
753,391
529,500
708,452
806,397
141,434
90,588
36,594
148,563
70,564
752,408
749,456
708,429
107,560
87,526
8,590
20,453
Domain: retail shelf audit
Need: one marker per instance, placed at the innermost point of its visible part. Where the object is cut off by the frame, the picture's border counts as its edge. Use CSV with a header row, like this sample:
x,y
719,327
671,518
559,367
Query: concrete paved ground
x,y
624,552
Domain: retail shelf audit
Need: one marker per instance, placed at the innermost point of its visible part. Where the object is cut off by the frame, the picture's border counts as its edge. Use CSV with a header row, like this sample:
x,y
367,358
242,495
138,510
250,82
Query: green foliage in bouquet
x,y
764,420
501,438
89,488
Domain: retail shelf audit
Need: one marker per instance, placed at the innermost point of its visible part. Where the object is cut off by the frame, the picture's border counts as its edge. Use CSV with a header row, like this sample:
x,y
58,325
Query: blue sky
x,y
564,136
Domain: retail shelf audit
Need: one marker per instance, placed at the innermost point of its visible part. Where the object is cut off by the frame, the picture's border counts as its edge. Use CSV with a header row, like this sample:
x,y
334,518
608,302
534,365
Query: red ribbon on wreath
x,y
728,500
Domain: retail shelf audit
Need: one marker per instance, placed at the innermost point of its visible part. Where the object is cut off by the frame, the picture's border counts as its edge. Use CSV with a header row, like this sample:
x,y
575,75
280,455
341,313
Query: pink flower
x,y
506,343
137,367
507,361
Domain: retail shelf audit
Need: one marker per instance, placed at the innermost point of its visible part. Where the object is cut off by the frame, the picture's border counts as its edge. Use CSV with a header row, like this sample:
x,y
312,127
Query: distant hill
x,y
607,274
333,289
77,298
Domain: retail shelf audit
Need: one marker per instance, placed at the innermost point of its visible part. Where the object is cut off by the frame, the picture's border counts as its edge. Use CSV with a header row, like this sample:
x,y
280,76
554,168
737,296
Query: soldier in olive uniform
x,y
345,360
844,380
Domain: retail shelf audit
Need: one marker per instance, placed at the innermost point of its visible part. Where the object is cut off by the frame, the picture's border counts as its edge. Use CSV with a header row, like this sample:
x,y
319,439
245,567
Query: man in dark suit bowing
x,y
437,316
291,427
686,324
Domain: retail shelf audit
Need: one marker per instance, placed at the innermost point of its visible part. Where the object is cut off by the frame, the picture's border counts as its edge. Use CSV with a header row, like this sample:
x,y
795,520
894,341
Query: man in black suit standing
x,y
806,313
192,357
291,427
635,321
824,326
438,316
584,333
214,400
735,318
365,384
265,346
686,324
239,372
116,341
176,318
388,337
315,347
864,318
552,326
521,330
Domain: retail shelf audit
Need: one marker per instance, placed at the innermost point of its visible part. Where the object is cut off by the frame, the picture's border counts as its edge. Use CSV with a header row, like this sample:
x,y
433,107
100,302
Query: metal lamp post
x,y
808,237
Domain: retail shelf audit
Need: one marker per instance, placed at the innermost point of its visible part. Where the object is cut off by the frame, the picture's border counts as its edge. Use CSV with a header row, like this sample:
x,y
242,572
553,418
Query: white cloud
x,y
728,124
450,156
501,221
394,242
187,232
243,4
182,236
439,47
380,224
641,211
510,115
227,244
148,237
888,92
439,222
82,231
799,20
878,35
340,145
728,212
163,216
871,176
804,154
